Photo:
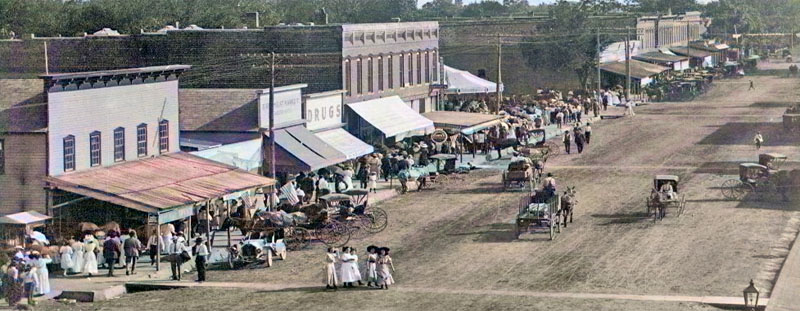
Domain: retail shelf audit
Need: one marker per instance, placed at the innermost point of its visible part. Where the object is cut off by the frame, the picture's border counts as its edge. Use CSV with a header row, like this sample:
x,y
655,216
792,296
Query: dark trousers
x,y
364,183
588,137
580,147
605,105
130,263
110,262
566,146
200,265
175,265
153,254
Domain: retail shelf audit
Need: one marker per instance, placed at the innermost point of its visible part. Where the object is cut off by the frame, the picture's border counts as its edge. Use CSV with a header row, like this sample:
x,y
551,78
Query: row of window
x,y
410,64
95,145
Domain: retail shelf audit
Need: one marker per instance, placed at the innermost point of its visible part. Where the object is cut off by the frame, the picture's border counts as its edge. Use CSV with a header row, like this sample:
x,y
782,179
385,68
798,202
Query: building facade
x,y
666,31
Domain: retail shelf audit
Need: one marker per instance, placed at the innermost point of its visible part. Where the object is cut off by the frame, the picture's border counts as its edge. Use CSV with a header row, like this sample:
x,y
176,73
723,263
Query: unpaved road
x,y
460,236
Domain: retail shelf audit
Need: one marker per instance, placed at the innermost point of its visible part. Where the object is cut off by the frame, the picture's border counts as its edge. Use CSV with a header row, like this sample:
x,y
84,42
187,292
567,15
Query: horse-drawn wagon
x,y
519,174
665,194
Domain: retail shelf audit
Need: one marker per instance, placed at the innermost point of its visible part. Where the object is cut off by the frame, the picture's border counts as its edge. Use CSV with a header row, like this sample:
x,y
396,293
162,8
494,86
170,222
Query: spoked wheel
x,y
333,234
682,206
378,220
297,239
734,189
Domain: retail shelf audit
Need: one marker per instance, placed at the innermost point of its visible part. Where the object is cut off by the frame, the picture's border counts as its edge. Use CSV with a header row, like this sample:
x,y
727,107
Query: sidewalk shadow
x,y
623,218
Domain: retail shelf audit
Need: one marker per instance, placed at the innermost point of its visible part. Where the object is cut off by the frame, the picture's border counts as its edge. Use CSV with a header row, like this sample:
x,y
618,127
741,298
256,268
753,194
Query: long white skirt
x,y
66,260
44,281
90,262
330,275
348,274
372,272
385,275
77,261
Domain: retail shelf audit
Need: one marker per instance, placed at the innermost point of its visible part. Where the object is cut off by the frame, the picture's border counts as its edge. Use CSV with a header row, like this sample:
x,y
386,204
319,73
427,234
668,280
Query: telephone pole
x,y
272,115
498,90
628,63
599,76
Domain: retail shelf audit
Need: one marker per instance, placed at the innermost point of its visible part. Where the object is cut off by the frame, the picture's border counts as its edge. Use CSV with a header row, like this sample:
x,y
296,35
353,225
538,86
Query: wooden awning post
x,y
158,242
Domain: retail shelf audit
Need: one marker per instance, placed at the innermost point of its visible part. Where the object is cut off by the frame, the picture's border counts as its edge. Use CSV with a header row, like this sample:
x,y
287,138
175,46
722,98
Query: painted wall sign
x,y
288,105
323,111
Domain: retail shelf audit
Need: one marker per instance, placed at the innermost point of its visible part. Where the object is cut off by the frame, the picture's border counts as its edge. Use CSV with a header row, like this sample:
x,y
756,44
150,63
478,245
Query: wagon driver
x,y
667,191
549,185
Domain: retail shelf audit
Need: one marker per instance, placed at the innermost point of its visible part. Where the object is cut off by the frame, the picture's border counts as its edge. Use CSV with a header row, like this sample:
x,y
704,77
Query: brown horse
x,y
568,204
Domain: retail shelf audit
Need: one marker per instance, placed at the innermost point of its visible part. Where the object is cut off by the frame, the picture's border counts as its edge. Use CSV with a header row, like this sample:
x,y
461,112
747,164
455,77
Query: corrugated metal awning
x,y
159,183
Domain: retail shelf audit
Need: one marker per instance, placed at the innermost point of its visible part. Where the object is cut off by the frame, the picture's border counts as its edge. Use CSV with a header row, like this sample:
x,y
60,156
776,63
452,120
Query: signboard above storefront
x,y
288,106
323,110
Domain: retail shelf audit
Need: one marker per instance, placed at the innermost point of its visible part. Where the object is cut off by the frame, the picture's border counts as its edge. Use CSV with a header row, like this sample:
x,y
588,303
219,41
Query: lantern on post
x,y
751,296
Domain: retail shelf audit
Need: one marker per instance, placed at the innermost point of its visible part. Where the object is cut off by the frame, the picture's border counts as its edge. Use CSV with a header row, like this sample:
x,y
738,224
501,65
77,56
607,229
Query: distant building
x,y
666,31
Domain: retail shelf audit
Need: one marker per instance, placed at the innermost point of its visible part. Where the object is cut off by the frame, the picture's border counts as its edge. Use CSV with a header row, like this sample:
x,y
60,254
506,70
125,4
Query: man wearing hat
x,y
200,252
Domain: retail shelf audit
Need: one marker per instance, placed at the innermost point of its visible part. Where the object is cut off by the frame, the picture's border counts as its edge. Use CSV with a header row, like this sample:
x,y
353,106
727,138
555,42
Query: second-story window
x,y
359,77
163,136
419,68
390,72
435,66
380,73
427,67
370,76
348,77
69,153
119,144
95,155
410,69
141,140
2,157
402,70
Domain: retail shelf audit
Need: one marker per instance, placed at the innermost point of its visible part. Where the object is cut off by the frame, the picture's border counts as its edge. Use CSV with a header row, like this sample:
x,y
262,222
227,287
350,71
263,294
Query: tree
x,y
663,6
486,8
439,8
573,47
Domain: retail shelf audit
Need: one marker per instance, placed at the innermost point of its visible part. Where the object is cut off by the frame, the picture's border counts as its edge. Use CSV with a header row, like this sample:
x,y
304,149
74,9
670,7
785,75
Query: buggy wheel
x,y
333,234
297,239
552,232
378,220
268,262
683,205
734,189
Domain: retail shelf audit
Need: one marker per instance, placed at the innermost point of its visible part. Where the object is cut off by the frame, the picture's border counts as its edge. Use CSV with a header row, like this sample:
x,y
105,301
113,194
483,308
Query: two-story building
x,y
90,146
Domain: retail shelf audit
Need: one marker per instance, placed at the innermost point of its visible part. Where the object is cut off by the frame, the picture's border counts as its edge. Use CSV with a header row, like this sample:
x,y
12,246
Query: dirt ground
x,y
460,236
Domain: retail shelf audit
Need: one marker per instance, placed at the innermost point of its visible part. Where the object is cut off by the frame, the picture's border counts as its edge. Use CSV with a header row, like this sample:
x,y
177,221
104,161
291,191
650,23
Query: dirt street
x,y
460,236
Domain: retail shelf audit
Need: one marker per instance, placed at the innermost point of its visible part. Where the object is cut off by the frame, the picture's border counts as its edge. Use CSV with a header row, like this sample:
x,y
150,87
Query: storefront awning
x,y
658,57
639,69
691,52
346,143
24,218
159,184
393,117
245,155
465,122
304,151
464,82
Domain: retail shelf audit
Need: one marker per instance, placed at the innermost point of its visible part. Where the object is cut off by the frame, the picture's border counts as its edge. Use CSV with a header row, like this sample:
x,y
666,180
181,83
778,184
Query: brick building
x,y
368,60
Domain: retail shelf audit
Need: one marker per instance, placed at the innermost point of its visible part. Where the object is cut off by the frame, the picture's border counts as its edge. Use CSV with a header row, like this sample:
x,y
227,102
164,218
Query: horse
x,y
568,203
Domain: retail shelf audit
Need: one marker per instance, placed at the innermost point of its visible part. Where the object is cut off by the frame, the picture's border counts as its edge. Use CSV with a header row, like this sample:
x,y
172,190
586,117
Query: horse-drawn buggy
x,y
545,213
351,209
665,194
520,174
761,179
540,149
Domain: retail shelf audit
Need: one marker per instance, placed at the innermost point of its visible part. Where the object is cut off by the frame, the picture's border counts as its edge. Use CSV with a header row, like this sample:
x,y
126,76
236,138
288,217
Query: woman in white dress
x,y
167,231
346,269
66,254
384,264
89,256
330,269
372,265
354,267
40,263
77,256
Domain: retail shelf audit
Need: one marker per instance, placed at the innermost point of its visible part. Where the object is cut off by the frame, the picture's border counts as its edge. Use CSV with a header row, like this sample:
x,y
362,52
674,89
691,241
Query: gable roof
x,y
22,106
218,110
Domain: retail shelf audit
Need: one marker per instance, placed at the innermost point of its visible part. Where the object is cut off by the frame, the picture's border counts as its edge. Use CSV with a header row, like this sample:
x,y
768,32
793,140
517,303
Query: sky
x,y
421,2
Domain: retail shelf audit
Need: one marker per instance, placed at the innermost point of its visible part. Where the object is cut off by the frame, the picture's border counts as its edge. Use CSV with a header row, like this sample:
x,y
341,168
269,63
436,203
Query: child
x,y
29,283
372,266
373,182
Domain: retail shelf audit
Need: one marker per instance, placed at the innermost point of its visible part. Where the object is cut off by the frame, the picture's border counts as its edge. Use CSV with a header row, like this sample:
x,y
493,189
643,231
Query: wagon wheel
x,y
552,231
683,205
357,227
333,234
378,220
268,262
297,239
734,189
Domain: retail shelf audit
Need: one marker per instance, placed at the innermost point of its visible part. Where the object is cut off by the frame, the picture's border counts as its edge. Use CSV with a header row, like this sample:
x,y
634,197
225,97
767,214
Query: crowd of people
x,y
343,267
26,275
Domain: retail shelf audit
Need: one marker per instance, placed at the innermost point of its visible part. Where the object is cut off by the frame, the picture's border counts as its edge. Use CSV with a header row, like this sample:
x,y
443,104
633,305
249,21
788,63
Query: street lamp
x,y
751,296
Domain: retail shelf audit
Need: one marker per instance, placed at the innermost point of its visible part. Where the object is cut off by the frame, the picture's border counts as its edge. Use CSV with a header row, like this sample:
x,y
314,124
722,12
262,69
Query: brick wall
x,y
21,187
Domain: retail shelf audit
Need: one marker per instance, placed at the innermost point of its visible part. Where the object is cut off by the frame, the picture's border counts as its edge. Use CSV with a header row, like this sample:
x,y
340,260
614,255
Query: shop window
x,y
119,144
163,136
69,153
141,140
95,155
